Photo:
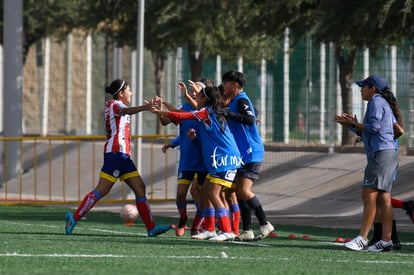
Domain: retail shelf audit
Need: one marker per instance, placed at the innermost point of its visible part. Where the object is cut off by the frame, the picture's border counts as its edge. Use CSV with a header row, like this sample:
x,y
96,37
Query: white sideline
x,y
56,255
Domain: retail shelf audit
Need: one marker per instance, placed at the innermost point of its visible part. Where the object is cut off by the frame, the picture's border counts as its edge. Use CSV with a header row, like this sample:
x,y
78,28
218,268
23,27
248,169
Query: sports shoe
x,y
223,237
373,241
396,246
205,235
245,236
264,231
381,246
408,206
194,231
70,223
158,230
357,243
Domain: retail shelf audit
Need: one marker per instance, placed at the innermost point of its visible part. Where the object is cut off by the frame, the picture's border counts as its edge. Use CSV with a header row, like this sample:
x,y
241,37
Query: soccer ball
x,y
129,214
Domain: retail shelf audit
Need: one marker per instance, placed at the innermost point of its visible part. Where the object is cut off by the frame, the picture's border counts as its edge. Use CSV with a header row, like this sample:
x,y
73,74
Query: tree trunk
x,y
159,71
195,59
410,122
346,62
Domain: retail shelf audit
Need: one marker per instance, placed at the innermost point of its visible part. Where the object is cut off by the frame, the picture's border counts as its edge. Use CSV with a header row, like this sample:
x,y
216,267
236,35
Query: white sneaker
x,y
264,231
205,235
246,235
381,246
357,243
223,237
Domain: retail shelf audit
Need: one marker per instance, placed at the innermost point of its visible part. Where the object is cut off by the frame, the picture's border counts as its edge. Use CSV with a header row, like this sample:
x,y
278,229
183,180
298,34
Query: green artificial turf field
x,y
33,241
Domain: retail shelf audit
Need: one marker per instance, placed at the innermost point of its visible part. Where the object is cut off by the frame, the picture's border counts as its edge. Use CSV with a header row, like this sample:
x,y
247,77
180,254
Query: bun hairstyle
x,y
116,86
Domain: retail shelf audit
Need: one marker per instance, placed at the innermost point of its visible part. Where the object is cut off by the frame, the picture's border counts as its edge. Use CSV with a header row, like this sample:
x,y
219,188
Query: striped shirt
x,y
117,128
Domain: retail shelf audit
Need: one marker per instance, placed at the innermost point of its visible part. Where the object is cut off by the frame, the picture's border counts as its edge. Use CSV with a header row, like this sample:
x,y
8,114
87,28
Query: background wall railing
x,y
63,169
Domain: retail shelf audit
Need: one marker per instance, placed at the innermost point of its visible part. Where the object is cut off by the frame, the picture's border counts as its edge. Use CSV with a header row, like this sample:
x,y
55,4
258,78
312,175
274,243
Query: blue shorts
x,y
118,165
225,179
186,177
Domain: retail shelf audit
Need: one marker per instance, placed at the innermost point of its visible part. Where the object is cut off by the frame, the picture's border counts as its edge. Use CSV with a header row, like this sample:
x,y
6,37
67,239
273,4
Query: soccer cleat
x,y
264,231
158,230
205,235
245,236
381,246
357,243
224,236
70,223
408,206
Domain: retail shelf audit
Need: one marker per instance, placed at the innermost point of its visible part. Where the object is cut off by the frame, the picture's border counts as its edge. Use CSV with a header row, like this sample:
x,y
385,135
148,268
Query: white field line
x,y
81,228
250,243
122,256
56,255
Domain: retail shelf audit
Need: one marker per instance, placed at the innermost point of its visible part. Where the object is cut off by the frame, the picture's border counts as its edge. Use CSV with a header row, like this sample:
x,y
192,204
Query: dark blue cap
x,y
375,81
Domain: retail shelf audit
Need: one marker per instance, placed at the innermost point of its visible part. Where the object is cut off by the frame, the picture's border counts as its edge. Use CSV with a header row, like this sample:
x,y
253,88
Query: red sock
x,y
397,203
87,203
197,222
210,223
235,222
144,211
224,222
224,219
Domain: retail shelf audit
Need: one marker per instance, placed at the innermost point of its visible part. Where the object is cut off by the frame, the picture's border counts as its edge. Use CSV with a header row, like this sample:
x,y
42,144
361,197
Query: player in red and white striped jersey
x,y
117,161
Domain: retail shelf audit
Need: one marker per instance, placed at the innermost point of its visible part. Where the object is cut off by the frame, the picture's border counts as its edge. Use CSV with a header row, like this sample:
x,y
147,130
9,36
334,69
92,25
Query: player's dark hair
x,y
392,100
234,76
116,86
207,81
214,100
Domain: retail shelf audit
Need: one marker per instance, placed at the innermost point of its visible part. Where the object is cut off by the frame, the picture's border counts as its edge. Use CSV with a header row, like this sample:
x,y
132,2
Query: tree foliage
x,y
46,18
350,25
248,28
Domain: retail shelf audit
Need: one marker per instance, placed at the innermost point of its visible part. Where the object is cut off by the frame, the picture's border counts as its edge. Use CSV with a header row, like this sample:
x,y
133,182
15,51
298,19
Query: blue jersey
x,y
247,136
191,158
220,150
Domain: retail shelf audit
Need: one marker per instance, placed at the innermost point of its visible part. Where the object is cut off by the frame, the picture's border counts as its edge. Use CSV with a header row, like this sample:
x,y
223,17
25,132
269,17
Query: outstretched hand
x,y
194,86
169,107
183,88
148,105
155,110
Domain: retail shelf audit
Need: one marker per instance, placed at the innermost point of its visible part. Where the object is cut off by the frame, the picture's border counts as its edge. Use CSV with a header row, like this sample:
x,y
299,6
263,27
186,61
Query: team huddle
x,y
220,123
221,153
220,158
